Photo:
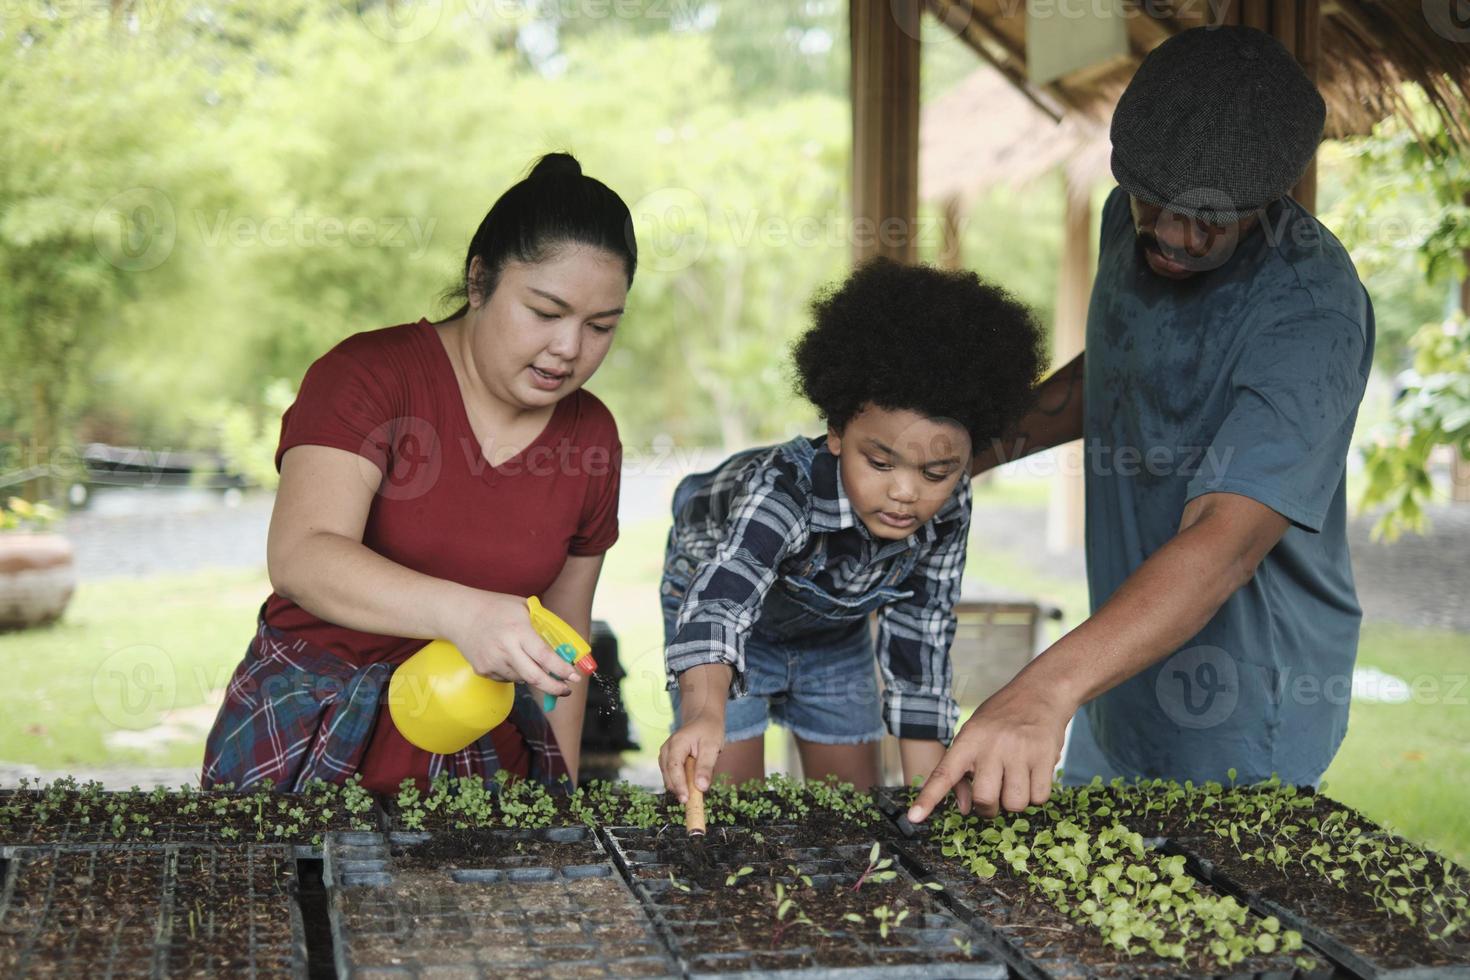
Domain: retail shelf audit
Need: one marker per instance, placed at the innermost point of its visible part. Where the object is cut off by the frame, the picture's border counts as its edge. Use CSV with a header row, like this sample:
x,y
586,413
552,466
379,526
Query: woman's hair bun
x,y
557,165
554,205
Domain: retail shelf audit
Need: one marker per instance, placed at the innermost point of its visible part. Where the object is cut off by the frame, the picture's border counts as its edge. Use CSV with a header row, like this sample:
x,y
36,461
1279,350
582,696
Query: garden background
x,y
197,200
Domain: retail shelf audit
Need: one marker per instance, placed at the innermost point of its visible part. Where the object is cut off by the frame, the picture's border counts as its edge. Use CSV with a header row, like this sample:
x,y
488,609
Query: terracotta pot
x,y
37,577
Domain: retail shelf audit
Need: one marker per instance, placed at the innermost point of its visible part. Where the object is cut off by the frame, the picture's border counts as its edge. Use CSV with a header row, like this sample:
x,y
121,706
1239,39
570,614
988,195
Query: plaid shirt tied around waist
x,y
294,712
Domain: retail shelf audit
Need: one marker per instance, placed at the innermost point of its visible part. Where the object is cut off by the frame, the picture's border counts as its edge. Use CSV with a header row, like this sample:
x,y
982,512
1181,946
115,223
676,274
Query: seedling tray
x,y
79,817
1216,829
1023,926
1331,942
150,911
555,907
732,929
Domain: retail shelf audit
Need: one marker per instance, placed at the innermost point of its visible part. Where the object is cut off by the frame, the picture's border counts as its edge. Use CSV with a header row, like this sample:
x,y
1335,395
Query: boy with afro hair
x,y
779,555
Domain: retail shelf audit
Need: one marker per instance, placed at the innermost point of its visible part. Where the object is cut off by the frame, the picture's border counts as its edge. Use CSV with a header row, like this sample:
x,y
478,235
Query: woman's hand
x,y
702,737
495,635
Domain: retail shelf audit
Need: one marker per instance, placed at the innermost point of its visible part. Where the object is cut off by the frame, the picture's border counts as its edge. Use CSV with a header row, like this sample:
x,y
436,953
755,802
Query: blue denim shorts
x,y
821,689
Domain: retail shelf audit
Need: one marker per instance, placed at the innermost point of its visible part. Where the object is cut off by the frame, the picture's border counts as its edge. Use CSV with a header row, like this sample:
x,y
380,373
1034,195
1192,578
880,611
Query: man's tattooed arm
x,y
1055,418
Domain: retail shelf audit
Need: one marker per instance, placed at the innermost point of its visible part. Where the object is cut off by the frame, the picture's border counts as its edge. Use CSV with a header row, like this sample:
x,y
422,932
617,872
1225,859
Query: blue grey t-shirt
x,y
1245,379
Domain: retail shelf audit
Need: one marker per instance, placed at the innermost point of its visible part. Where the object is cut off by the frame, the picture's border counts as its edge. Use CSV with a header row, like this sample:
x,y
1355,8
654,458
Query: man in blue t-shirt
x,y
1228,344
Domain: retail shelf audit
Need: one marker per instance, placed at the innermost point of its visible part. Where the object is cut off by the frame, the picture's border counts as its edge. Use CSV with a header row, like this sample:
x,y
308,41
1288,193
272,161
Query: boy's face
x,y
899,467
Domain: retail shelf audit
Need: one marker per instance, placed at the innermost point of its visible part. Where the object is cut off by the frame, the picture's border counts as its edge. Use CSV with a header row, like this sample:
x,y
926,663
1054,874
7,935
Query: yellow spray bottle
x,y
441,705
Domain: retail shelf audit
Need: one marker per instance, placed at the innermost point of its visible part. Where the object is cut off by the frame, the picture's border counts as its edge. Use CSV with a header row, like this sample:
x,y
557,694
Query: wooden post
x,y
1256,13
884,39
1064,521
951,249
1301,31
884,35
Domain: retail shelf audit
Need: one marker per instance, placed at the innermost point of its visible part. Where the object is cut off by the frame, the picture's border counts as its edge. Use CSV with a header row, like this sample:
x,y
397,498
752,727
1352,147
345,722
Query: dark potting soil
x,y
718,895
822,844
742,918
458,849
121,911
232,914
83,913
1345,910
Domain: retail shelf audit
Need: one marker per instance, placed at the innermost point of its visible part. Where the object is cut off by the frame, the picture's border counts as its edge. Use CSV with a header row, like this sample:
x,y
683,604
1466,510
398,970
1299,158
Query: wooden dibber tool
x,y
694,809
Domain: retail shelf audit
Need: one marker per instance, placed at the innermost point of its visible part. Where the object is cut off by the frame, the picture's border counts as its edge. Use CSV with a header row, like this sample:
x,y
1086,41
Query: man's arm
x,y
1055,419
1011,744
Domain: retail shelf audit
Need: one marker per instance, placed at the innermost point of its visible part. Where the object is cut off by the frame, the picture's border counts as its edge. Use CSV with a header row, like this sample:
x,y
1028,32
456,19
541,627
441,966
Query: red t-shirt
x,y
391,396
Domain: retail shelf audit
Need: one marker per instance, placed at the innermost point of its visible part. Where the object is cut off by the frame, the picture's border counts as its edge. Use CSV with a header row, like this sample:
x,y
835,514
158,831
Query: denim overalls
x,y
809,659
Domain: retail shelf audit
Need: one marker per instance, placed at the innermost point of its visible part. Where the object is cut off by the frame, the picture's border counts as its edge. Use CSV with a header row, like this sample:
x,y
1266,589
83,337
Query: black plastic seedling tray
x,y
118,911
501,917
168,827
925,945
1328,916
1323,938
1021,939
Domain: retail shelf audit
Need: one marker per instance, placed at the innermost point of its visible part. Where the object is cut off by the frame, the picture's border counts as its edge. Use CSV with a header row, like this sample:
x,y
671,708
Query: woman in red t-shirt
x,y
433,475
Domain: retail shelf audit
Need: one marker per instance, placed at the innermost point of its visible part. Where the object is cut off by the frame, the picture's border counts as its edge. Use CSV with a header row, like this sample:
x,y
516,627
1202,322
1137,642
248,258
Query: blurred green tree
x,y
1403,165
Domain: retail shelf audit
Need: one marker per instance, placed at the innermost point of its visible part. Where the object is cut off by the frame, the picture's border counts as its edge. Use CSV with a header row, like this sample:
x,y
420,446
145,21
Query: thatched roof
x,y
1369,48
984,132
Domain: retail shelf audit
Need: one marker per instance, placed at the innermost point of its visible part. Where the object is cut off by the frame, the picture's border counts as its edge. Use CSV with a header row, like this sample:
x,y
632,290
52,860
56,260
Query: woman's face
x,y
547,326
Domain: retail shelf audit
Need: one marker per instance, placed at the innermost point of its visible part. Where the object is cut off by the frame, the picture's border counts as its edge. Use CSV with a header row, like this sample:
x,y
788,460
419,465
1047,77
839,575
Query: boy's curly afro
x,y
943,344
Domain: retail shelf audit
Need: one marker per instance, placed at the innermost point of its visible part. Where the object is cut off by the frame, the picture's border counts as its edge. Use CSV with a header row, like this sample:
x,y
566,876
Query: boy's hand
x,y
919,757
701,737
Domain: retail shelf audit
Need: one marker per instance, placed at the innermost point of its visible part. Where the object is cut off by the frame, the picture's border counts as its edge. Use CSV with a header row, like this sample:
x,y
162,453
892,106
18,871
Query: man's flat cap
x,y
1216,123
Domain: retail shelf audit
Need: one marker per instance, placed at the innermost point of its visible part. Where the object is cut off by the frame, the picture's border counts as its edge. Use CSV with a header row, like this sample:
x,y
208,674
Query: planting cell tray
x,y
150,911
1367,945
698,919
545,903
164,825
1325,939
1019,929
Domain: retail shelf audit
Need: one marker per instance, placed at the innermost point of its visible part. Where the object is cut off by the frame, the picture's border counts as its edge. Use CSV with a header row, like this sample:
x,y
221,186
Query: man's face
x,y
1177,246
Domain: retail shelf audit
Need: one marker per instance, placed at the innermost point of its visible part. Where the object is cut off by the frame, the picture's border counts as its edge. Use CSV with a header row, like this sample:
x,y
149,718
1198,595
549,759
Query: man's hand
x,y
1009,750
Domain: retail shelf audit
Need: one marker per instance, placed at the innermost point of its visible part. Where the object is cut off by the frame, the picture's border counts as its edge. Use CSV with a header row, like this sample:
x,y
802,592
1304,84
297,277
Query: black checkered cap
x,y
1216,123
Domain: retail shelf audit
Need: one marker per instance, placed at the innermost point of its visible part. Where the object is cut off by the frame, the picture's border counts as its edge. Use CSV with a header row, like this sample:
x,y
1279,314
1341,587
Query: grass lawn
x,y
1408,765
130,675
128,657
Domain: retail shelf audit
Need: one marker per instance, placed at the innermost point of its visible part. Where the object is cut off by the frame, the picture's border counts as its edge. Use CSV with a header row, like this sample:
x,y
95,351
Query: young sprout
x,y
735,876
788,914
888,919
877,870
